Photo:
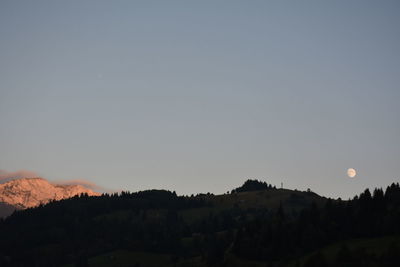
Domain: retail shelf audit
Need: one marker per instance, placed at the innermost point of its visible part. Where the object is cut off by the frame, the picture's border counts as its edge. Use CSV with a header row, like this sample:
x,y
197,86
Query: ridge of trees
x,y
253,185
73,230
283,237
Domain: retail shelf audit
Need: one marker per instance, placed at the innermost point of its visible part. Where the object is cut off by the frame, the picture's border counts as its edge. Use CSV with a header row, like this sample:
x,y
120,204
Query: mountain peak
x,y
30,192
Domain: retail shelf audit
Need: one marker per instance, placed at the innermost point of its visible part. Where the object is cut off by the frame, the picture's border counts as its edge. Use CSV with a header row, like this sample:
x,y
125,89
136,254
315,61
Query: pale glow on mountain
x,y
30,192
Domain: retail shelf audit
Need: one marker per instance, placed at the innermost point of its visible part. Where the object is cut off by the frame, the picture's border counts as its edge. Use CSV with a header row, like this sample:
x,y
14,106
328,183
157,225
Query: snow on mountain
x,y
30,192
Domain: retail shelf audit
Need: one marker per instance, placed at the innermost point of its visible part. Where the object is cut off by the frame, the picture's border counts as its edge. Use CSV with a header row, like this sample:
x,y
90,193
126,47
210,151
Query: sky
x,y
198,96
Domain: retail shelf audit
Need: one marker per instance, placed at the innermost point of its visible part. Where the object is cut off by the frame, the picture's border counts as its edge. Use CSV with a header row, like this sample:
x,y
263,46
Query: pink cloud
x,y
83,183
6,176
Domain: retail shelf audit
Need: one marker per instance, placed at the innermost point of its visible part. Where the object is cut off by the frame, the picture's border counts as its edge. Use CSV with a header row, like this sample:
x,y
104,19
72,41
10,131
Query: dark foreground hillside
x,y
254,225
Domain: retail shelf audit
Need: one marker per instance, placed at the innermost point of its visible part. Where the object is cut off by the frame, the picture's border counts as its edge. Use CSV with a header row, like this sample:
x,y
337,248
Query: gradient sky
x,y
197,96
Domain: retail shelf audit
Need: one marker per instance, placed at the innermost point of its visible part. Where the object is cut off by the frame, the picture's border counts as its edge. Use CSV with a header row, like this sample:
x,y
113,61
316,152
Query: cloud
x,y
6,176
84,183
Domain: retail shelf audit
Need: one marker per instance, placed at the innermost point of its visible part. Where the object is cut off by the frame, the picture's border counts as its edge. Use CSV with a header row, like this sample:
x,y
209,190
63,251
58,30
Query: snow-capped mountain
x,y
30,192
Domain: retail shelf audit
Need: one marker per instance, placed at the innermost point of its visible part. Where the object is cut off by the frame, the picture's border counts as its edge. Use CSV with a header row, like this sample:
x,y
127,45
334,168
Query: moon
x,y
351,172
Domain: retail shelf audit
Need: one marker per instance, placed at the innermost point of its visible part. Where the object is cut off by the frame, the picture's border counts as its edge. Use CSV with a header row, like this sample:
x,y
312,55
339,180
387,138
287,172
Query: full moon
x,y
351,172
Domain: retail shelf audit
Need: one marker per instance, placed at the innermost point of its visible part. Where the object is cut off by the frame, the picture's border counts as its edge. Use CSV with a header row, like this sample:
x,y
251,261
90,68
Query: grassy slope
x,y
270,199
375,246
125,258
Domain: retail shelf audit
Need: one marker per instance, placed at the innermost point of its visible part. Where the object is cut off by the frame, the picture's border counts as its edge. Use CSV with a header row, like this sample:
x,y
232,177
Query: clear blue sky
x,y
197,96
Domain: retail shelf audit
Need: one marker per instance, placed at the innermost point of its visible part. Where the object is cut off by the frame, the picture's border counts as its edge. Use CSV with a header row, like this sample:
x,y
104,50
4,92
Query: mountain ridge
x,y
31,192
246,227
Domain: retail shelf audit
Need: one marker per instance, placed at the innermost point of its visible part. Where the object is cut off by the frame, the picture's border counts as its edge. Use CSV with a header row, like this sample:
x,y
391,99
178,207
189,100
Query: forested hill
x,y
253,225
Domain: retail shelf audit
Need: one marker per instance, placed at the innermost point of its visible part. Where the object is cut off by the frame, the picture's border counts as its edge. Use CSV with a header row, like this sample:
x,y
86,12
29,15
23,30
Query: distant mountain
x,y
31,192
6,209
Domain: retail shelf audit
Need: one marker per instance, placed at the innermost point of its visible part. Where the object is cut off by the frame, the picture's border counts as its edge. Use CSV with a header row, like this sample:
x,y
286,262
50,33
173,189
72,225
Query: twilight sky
x,y
197,96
